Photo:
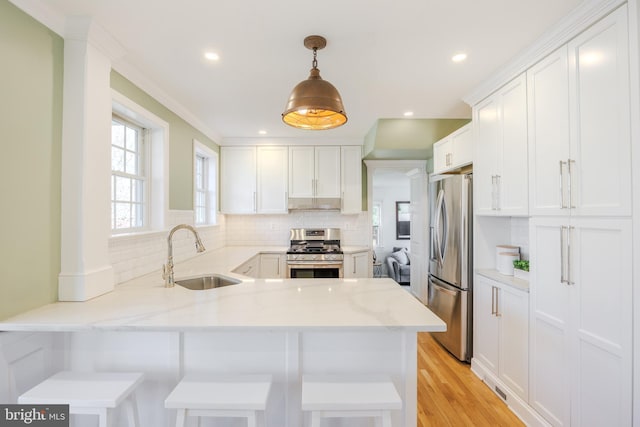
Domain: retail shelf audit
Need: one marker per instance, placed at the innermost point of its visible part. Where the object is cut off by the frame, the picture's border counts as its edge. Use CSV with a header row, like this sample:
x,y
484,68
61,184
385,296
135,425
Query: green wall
x,y
402,139
181,135
31,140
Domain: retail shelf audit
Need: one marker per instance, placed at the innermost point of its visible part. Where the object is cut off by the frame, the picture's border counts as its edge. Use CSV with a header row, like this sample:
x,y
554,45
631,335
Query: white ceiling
x,y
385,57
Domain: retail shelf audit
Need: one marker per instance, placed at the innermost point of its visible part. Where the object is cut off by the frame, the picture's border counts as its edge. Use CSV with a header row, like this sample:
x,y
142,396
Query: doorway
x,y
397,199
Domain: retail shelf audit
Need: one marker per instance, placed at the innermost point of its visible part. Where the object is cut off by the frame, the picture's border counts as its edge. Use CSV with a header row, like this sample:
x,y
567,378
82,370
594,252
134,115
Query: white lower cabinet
x,y
272,266
357,264
581,320
500,343
250,268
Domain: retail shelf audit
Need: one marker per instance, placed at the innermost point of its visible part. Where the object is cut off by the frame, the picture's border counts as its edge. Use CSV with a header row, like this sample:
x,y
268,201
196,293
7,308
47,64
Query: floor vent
x,y
501,393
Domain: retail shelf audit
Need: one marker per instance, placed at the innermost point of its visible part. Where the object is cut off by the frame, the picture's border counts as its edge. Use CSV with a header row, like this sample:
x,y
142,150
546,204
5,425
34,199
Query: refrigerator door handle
x,y
441,212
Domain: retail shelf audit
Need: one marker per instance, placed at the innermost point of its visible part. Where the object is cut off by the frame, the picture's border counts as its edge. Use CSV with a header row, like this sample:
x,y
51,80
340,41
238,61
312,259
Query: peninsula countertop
x,y
255,304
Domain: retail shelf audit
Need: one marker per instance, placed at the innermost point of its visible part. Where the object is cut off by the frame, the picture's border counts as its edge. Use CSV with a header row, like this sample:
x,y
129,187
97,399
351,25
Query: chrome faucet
x,y
167,269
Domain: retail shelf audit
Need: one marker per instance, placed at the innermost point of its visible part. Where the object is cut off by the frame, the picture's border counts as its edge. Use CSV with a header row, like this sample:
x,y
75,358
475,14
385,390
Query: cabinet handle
x,y
562,259
493,300
562,200
569,162
498,302
493,193
569,275
498,180
255,203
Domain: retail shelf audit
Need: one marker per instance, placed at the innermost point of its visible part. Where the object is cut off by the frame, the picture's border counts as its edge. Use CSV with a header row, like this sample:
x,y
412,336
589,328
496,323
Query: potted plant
x,y
521,269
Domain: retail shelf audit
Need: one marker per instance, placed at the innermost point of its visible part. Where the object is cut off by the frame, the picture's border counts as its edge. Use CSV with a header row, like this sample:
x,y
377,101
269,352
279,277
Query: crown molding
x,y
81,28
42,13
584,15
132,74
289,141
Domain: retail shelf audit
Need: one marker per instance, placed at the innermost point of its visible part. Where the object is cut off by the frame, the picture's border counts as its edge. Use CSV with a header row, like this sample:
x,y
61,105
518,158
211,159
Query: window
x,y
128,176
377,224
205,184
139,168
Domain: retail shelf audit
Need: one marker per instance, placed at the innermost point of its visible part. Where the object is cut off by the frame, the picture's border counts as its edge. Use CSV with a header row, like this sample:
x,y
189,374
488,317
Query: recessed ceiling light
x,y
459,57
211,56
408,113
262,132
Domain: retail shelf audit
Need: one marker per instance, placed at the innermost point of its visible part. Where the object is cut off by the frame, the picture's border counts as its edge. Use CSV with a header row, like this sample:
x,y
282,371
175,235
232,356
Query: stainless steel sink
x,y
209,281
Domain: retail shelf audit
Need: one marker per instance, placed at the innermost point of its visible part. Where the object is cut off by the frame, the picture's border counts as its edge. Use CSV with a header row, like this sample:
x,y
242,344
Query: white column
x,y
86,162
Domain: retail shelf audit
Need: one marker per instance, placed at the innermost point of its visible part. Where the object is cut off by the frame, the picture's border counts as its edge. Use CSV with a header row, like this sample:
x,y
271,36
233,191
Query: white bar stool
x,y
96,393
340,396
239,396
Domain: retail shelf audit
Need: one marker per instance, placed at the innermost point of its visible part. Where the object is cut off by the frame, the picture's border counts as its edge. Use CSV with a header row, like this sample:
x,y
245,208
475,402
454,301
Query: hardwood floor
x,y
449,394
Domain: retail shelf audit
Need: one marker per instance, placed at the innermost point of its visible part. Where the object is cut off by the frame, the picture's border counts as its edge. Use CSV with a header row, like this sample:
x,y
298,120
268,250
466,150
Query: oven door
x,y
314,270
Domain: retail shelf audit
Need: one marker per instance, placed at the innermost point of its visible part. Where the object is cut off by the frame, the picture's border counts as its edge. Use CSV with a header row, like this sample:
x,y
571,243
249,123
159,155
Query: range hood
x,y
315,204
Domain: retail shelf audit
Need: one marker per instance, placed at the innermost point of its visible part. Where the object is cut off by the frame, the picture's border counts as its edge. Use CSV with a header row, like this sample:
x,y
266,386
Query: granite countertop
x,y
255,304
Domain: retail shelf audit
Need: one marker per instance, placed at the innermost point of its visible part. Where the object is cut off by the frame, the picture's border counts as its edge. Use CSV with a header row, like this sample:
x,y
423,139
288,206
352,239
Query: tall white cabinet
x,y
580,193
500,151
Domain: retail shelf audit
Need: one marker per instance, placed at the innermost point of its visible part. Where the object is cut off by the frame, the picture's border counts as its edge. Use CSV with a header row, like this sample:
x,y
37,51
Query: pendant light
x,y
314,104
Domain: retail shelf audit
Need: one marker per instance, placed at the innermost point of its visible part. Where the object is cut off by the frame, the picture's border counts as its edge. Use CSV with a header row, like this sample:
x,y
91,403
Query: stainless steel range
x,y
315,254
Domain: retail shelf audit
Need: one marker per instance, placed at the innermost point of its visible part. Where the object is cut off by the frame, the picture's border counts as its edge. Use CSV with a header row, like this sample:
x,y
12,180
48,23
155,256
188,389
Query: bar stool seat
x,y
97,393
343,396
239,396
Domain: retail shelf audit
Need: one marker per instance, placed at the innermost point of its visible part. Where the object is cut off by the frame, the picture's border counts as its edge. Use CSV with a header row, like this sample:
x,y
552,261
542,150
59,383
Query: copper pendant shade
x,y
314,104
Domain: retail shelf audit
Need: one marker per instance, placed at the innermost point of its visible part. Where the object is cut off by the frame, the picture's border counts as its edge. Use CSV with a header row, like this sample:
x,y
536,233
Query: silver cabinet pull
x,y
493,192
493,300
563,204
498,186
569,243
563,247
571,183
498,314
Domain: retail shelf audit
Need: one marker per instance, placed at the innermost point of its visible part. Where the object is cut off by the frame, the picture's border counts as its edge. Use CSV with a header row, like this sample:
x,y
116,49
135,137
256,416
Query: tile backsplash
x,y
268,230
136,255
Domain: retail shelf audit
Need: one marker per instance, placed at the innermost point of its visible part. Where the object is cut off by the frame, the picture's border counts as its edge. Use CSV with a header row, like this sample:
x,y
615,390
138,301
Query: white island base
x,y
284,328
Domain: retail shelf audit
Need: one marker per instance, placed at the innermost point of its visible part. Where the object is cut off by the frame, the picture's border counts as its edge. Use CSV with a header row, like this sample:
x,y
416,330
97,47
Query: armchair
x,y
398,266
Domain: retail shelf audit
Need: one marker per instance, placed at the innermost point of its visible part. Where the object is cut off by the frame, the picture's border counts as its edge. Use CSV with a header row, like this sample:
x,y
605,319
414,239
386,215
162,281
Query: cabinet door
x,y
548,109
485,324
351,175
272,177
441,155
327,167
485,155
301,171
600,138
462,146
271,266
601,314
513,311
356,265
250,268
513,189
238,180
550,358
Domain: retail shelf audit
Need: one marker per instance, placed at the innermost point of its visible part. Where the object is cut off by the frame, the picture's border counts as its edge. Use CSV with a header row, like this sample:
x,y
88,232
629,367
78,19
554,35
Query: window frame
x,y
211,180
156,164
142,154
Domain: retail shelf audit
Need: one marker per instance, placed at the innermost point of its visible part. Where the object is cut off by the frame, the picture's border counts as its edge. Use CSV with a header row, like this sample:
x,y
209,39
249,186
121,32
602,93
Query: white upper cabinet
x,y
327,172
500,151
272,179
453,151
238,180
314,172
253,180
580,151
301,172
351,175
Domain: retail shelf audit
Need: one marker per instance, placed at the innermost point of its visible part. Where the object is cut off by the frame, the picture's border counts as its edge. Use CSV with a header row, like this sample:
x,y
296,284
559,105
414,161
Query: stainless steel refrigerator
x,y
451,260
